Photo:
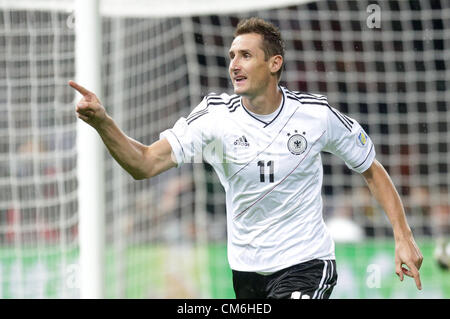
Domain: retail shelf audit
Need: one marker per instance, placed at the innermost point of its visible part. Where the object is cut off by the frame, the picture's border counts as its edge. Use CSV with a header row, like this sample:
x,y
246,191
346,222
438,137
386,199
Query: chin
x,y
239,91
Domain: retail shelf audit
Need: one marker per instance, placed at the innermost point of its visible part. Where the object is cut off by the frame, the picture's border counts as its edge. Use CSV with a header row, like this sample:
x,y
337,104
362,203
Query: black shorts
x,y
314,279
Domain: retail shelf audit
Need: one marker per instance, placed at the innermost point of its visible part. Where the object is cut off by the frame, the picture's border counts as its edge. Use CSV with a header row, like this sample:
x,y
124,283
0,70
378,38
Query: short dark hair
x,y
273,44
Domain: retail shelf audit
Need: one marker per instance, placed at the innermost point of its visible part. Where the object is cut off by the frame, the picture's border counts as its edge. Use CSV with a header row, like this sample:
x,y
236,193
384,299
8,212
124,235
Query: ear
x,y
276,63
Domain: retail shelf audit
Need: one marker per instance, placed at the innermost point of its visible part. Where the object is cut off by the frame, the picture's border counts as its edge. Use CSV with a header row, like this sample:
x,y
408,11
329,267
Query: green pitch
x,y
365,270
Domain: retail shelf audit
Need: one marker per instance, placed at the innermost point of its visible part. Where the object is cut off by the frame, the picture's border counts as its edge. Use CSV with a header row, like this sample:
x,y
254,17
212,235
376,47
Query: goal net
x,y
383,63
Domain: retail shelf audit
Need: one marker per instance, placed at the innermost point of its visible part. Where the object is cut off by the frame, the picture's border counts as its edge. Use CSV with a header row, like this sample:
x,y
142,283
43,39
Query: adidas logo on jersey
x,y
242,141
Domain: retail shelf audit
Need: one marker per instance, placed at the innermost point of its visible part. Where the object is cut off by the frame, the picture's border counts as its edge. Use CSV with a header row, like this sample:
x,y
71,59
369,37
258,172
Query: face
x,y
250,73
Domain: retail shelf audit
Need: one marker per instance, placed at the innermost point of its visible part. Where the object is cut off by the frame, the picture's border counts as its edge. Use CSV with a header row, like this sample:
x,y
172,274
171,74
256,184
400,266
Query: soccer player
x,y
264,142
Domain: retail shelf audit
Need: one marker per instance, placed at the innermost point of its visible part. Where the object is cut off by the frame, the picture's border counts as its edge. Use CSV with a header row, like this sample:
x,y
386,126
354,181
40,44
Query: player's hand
x,y
89,108
407,253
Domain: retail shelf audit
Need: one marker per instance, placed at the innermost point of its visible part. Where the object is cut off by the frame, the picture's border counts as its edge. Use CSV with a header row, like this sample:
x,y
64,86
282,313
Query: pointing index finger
x,y
416,275
83,91
418,281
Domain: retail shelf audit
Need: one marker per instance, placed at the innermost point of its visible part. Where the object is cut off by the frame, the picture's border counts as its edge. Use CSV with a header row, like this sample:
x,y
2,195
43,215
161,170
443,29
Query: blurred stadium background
x,y
385,65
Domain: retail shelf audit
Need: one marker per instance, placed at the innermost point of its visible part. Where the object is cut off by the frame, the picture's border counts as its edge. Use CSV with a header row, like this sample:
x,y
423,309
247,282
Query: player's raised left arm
x,y
406,249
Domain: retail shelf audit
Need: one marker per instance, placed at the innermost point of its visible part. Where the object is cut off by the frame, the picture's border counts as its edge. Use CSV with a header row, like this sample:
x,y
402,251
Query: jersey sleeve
x,y
348,140
189,136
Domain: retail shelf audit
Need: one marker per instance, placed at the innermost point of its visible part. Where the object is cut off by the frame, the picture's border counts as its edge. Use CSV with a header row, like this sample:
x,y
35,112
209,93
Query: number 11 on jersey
x,y
262,174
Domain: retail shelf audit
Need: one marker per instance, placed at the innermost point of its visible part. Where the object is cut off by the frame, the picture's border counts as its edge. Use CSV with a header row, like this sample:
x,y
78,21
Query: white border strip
x,y
155,8
180,8
38,5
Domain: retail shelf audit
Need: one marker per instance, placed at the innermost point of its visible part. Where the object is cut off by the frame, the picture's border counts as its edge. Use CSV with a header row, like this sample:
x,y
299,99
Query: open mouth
x,y
240,79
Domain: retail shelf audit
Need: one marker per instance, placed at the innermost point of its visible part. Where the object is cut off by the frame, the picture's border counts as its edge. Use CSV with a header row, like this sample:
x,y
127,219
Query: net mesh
x,y
384,65
38,186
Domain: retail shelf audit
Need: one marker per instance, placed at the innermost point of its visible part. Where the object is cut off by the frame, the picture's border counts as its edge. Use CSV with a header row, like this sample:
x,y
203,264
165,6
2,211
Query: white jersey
x,y
271,172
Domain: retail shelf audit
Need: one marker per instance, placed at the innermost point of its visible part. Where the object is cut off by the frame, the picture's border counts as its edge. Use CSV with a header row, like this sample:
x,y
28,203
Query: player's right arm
x,y
139,160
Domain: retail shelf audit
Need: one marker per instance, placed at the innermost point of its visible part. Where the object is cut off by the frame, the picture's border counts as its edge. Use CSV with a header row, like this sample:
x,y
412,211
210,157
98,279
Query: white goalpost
x,y
73,224
91,181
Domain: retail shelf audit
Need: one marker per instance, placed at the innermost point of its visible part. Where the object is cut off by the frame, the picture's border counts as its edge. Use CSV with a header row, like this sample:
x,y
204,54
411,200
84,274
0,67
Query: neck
x,y
265,103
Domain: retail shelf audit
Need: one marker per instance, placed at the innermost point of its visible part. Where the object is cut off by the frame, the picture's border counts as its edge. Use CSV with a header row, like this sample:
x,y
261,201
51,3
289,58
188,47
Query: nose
x,y
234,65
